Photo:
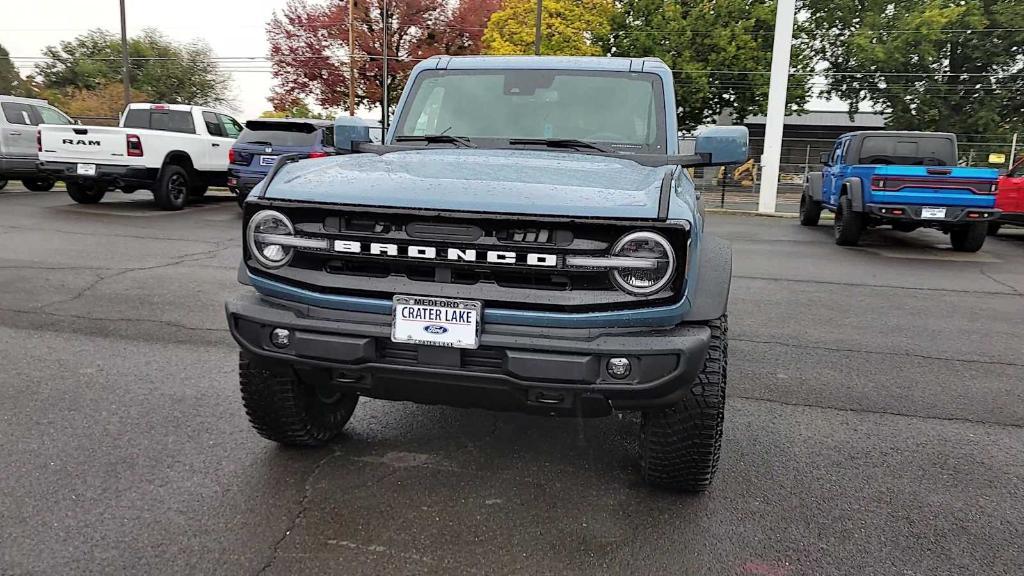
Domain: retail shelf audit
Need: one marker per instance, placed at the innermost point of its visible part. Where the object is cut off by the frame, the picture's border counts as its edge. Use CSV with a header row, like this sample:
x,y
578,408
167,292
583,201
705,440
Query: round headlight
x,y
260,235
646,246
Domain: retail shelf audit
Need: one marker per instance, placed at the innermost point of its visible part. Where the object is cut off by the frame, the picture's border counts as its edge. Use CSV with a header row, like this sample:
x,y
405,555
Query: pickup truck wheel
x,y
285,409
969,238
848,224
810,210
680,444
993,227
38,184
85,192
172,189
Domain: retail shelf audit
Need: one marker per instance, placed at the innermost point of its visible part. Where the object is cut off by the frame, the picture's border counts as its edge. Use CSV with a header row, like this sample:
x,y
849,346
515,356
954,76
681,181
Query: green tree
x,y
569,27
719,50
164,70
930,65
296,109
10,81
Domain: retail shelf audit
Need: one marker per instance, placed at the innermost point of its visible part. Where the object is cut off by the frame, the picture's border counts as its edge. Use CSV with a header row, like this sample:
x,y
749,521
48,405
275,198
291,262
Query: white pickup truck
x,y
174,150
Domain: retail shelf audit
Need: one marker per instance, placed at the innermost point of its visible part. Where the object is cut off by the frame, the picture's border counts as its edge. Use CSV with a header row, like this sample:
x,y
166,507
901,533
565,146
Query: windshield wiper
x,y
560,143
437,138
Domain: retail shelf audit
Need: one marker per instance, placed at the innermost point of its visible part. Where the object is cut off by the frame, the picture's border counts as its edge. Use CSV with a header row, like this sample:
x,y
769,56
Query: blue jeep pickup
x,y
907,180
526,238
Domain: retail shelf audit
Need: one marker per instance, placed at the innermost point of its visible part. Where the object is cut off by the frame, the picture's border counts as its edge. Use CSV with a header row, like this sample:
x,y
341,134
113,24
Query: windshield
x,y
278,134
908,151
539,104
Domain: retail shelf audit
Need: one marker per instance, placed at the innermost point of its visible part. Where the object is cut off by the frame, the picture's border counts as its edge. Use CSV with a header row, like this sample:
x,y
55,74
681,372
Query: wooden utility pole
x,y
351,63
124,60
536,28
384,105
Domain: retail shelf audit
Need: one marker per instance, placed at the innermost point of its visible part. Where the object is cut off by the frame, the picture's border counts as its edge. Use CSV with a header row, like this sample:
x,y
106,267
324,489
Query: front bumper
x,y
912,213
112,174
518,368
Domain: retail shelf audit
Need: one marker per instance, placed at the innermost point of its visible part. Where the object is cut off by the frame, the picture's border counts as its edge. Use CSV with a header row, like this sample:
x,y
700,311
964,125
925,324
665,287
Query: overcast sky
x,y
231,27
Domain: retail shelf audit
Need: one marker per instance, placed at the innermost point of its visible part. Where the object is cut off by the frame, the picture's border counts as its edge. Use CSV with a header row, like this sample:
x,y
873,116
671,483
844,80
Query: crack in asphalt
x,y
880,352
1014,292
192,257
998,281
117,235
299,514
106,319
880,412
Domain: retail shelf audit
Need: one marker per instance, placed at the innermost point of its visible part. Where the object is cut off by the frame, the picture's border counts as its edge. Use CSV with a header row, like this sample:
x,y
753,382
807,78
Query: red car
x,y
1010,198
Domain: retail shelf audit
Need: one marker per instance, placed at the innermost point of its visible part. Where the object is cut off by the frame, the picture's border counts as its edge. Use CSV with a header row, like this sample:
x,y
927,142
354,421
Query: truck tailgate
x,y
946,185
97,144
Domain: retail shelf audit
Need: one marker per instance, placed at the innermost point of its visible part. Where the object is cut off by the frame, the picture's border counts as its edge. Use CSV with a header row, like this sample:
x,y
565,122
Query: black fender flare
x,y
709,299
173,157
813,186
855,190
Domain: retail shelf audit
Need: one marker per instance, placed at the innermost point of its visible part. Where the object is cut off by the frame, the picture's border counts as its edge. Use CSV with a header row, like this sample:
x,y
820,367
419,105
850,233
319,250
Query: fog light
x,y
619,368
280,337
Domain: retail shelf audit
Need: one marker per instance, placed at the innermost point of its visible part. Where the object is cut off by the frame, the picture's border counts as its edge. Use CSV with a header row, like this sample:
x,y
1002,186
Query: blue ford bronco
x,y
526,238
907,180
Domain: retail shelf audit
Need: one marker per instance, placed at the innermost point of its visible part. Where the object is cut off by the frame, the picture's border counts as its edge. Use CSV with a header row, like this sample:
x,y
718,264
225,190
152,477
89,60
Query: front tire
x,y
287,410
969,238
85,192
848,224
810,210
38,184
171,191
680,444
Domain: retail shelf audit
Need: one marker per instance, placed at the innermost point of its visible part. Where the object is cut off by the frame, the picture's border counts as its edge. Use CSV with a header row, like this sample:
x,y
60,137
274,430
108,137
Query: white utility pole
x,y
772,154
1013,152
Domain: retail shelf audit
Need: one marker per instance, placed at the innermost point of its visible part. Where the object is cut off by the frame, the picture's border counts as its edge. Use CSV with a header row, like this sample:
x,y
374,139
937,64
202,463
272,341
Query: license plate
x,y
86,169
267,160
436,321
929,212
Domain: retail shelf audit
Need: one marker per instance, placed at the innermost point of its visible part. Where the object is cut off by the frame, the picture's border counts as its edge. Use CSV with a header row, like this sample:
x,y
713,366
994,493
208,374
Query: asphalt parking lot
x,y
875,423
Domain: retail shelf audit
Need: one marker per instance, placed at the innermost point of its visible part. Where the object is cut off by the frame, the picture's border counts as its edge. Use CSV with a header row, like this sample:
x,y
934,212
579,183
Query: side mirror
x,y
349,133
824,157
723,145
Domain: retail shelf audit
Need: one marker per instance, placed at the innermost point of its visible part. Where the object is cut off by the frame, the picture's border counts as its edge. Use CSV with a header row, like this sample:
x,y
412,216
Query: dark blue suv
x,y
259,145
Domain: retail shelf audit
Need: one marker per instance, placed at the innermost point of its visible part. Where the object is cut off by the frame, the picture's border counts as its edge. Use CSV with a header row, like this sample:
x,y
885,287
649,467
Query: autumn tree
x,y
568,27
309,46
106,101
11,81
719,50
163,69
929,65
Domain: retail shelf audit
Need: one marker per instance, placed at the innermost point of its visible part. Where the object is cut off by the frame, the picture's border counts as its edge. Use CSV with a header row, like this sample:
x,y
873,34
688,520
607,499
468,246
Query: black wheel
x,y
85,192
680,444
283,408
810,210
993,227
38,184
3,183
969,238
848,224
198,190
171,191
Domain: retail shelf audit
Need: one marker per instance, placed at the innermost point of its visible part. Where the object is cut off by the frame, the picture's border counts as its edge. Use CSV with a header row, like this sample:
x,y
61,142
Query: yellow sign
x,y
997,158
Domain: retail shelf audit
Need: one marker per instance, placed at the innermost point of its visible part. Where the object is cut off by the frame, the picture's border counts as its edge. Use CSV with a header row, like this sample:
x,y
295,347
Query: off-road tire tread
x,y
810,210
680,444
276,408
38,184
849,225
969,238
160,193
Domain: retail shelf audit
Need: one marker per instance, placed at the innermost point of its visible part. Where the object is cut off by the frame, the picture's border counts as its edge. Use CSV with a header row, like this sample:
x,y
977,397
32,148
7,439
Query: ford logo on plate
x,y
434,329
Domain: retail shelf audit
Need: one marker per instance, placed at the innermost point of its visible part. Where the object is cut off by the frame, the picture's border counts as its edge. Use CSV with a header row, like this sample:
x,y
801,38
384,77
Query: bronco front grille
x,y
507,262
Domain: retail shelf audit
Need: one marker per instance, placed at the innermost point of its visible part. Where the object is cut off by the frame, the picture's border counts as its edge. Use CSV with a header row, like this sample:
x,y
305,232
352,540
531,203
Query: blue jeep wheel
x,y
848,224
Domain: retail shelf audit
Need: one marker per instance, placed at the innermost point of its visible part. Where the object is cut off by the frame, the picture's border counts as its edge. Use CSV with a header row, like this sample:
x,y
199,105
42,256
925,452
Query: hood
x,y
536,182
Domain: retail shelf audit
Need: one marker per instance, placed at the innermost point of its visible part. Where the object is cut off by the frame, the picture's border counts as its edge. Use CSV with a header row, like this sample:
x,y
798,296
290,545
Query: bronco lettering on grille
x,y
445,254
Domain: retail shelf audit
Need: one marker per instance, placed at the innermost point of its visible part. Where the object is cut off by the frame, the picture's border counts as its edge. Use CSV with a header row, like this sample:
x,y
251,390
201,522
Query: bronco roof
x,y
544,63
